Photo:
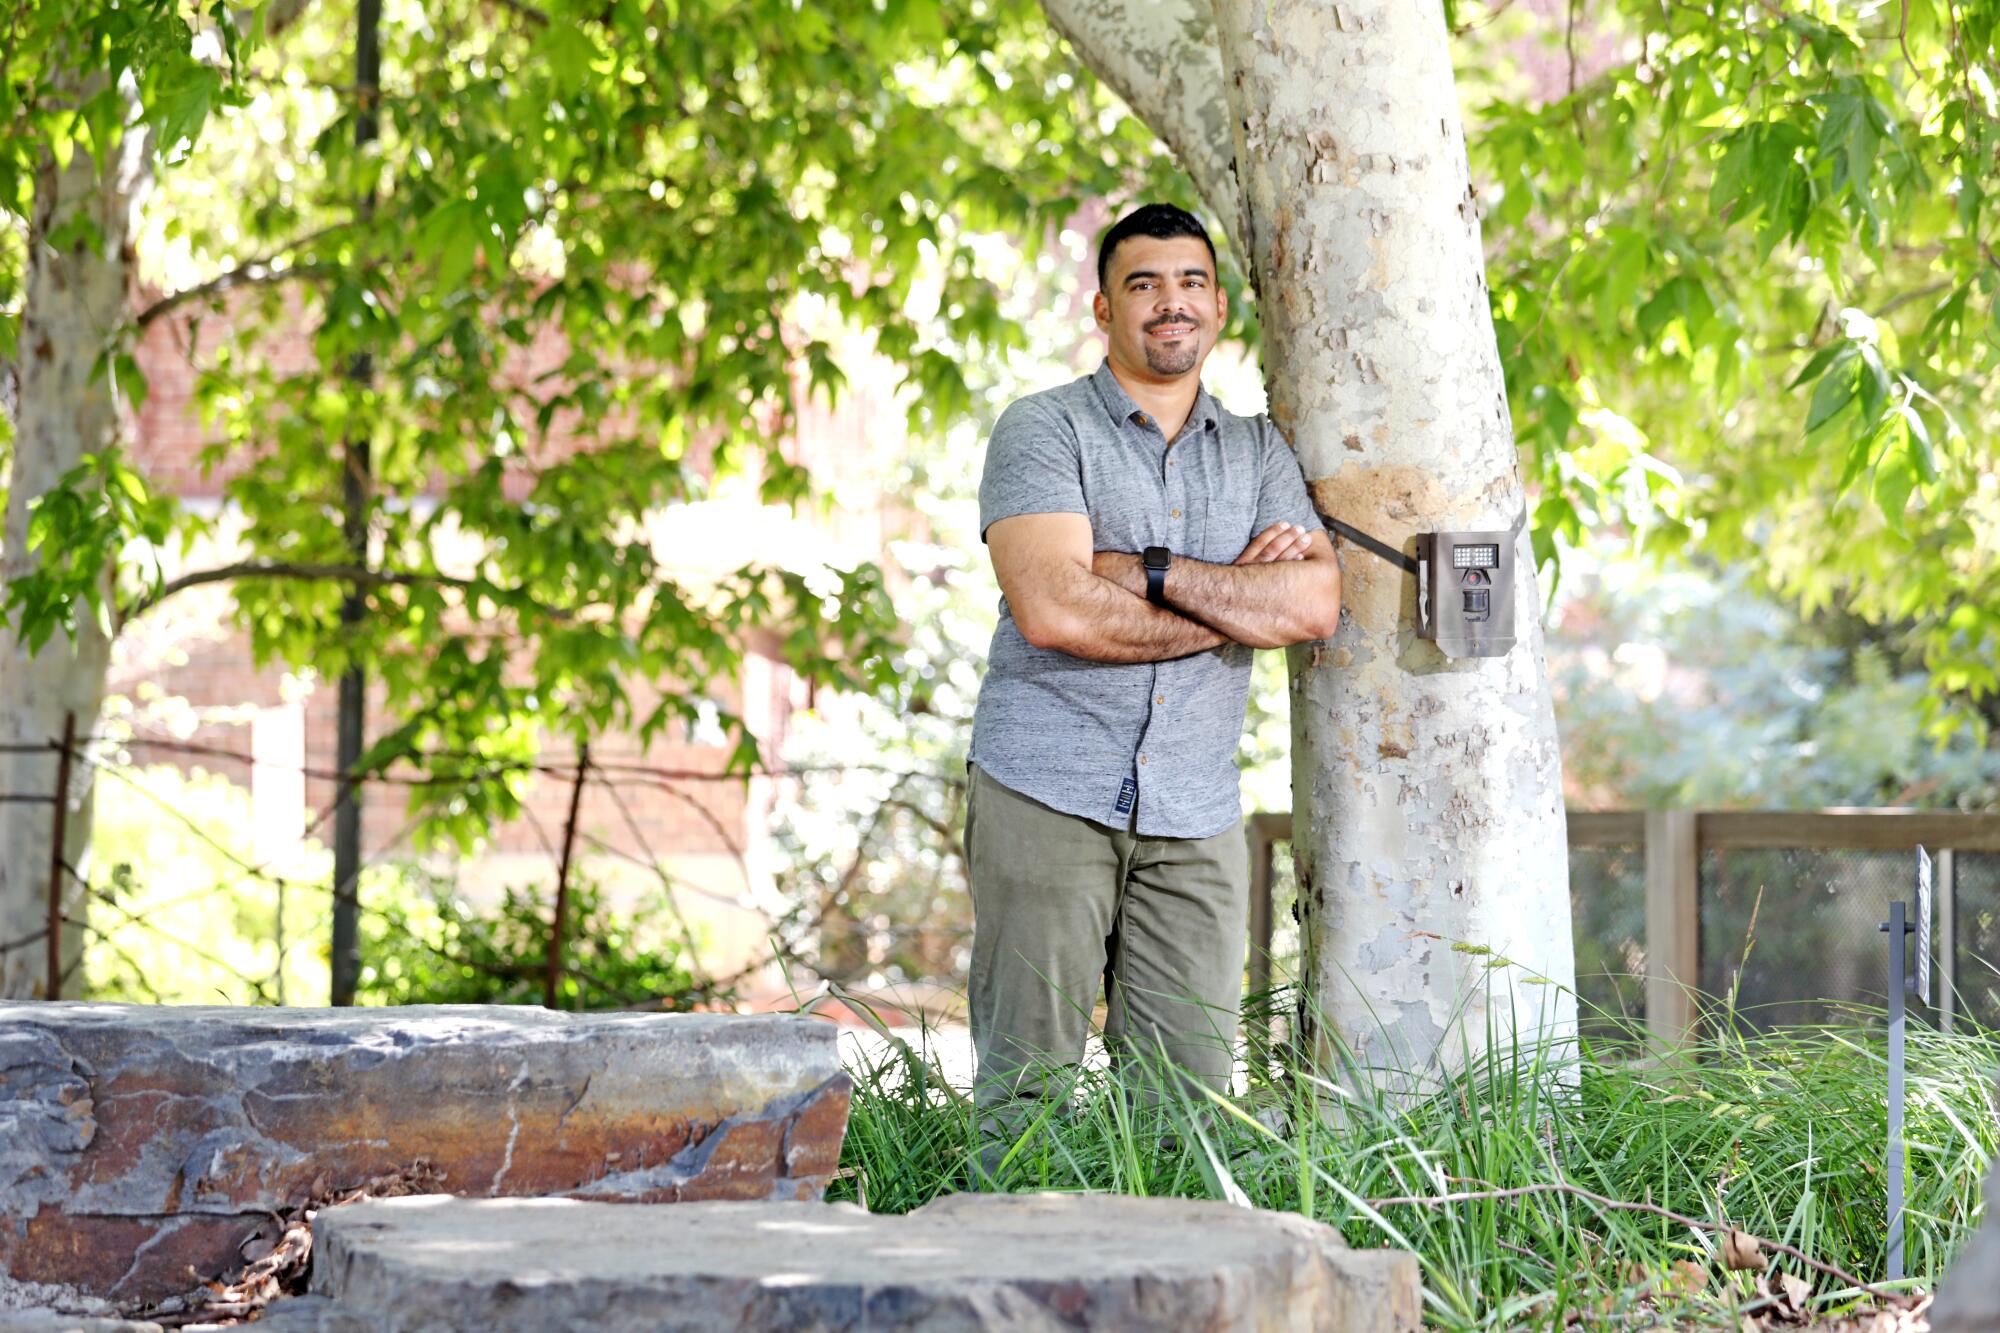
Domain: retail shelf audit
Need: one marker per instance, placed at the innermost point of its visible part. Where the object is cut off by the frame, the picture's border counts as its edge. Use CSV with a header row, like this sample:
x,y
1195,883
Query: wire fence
x,y
1773,913
817,914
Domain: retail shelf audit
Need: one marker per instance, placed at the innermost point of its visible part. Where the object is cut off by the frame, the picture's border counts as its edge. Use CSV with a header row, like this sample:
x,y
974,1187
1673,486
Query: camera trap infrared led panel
x,y
1465,592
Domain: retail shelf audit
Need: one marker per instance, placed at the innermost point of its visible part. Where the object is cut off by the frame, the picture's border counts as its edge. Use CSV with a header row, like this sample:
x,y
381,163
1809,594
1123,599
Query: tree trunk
x,y
75,297
1427,808
1160,56
74,301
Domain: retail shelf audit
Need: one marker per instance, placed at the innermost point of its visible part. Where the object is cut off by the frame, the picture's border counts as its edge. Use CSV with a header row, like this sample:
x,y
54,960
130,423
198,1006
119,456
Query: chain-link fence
x,y
1790,934
1976,926
1607,890
1779,913
1771,918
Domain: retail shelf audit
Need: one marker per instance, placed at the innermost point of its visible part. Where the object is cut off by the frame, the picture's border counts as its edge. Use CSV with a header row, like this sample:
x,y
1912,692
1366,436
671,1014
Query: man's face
x,y
1161,307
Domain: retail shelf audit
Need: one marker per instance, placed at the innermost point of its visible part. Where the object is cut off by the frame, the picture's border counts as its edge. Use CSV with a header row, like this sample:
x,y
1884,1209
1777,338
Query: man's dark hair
x,y
1159,221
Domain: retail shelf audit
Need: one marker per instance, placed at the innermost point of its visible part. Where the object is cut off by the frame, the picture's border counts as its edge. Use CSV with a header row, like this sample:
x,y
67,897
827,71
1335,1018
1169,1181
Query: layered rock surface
x,y
967,1262
141,1146
1968,1299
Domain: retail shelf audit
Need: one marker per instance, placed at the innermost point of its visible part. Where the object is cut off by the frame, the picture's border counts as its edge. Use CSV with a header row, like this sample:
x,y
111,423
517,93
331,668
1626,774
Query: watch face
x,y
1156,557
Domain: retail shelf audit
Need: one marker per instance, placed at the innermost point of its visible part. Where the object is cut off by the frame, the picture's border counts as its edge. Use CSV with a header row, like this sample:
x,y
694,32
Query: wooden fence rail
x,y
1672,842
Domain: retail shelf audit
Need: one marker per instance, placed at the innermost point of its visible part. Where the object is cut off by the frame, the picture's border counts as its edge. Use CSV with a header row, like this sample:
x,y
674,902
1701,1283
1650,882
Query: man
x,y
1146,540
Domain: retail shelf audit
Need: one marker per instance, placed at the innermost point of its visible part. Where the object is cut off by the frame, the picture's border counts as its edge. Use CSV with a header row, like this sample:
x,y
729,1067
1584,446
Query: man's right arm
x,y
1043,561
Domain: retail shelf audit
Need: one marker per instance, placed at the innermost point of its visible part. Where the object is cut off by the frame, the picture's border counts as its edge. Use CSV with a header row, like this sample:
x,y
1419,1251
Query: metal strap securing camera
x,y
1381,548
1363,540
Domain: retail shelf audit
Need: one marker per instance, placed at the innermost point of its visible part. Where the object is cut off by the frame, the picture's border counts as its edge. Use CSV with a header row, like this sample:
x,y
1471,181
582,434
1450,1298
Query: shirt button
x,y
1177,513
1142,758
1159,698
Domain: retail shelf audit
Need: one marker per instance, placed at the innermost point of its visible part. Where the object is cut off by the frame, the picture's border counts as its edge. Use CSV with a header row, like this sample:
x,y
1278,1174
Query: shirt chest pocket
x,y
1225,528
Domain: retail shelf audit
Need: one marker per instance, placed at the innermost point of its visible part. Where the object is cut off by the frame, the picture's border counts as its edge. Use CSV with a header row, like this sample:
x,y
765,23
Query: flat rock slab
x,y
143,1146
966,1262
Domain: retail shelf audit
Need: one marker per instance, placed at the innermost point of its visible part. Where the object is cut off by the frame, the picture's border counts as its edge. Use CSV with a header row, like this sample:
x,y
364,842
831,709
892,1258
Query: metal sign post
x,y
1900,981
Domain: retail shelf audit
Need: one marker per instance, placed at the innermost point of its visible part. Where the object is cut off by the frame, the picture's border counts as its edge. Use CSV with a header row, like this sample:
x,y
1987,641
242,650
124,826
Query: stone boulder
x,y
1969,1299
141,1147
968,1262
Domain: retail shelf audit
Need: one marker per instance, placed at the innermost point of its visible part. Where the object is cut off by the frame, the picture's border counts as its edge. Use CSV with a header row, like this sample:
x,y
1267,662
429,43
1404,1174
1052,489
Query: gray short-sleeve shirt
x,y
1111,741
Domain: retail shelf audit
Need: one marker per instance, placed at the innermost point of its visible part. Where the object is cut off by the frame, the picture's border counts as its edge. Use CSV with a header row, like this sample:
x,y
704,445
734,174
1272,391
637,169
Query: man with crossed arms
x,y
1146,541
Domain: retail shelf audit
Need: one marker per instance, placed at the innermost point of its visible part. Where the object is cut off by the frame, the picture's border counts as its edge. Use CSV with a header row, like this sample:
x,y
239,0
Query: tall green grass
x,y
1780,1134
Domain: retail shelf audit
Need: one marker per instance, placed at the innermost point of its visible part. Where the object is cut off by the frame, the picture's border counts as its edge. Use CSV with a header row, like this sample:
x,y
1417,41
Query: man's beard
x,y
1175,360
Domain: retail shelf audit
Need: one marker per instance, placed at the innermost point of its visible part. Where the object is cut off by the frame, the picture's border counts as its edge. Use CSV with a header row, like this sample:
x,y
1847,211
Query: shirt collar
x,y
1121,408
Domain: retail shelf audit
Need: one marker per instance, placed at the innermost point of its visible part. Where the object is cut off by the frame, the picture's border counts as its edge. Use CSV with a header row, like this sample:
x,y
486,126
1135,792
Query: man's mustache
x,y
1165,320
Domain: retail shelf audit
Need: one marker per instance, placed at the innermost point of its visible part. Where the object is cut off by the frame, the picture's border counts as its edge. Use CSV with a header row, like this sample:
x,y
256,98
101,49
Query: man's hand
x,y
1280,541
1264,608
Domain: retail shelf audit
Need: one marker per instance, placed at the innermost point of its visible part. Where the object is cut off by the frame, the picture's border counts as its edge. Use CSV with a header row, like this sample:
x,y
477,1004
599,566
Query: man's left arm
x,y
1262,604
1273,594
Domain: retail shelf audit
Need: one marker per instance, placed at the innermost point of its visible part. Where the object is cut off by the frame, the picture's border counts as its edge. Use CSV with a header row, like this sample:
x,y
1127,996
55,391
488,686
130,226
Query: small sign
x,y
1923,925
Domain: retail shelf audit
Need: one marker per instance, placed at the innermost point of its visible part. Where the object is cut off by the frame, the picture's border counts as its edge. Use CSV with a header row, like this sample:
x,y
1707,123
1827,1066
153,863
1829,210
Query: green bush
x,y
436,947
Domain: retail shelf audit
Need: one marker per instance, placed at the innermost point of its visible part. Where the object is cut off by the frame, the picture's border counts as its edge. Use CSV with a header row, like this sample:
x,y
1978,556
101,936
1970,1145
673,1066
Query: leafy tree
x,y
92,95
1745,288
579,283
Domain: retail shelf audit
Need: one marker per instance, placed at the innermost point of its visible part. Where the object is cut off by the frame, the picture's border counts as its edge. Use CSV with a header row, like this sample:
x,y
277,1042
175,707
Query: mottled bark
x,y
1428,796
1427,793
1160,56
75,297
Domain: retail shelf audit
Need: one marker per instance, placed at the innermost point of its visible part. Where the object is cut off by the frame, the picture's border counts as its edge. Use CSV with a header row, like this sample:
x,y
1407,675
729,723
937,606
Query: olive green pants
x,y
1061,903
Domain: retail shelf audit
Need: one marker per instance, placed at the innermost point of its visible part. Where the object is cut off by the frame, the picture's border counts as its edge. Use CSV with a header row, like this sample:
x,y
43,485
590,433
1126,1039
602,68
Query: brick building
x,y
189,677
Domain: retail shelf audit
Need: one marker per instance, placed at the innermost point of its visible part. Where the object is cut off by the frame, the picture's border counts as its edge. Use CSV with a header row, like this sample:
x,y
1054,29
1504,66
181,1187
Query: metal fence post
x,y
58,832
553,980
1673,924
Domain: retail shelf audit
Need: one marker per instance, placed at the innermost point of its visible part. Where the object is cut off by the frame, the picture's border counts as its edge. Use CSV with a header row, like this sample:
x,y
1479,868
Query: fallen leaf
x,y
1742,1252
1797,1291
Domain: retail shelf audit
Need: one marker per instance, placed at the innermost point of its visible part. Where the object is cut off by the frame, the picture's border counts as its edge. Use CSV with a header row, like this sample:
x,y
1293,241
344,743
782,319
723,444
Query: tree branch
x,y
252,272
1161,57
257,273
526,11
356,574
278,16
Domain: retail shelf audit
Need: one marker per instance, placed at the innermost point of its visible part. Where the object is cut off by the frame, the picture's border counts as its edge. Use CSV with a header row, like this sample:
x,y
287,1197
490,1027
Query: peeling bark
x,y
75,300
1428,810
1161,57
1427,804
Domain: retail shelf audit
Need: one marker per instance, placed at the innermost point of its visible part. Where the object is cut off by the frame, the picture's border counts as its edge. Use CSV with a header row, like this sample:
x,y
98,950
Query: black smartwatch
x,y
1156,559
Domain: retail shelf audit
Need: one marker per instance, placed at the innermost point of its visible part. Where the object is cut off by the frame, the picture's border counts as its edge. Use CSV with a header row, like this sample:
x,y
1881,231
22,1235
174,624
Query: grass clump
x,y
1780,1134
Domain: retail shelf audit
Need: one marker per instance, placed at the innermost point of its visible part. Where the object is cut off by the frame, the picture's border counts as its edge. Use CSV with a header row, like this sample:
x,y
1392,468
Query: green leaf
x,y
1895,481
1835,390
184,104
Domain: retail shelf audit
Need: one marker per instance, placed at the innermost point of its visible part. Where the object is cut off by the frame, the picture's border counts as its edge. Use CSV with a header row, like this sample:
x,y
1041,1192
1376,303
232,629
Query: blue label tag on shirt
x,y
1128,792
